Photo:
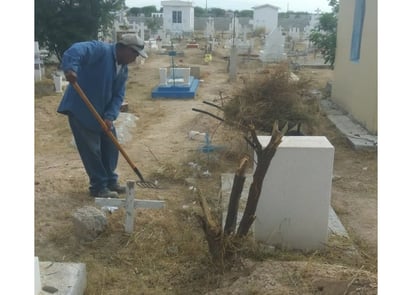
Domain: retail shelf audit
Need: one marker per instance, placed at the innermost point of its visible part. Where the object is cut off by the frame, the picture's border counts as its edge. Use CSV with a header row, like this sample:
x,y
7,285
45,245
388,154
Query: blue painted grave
x,y
175,82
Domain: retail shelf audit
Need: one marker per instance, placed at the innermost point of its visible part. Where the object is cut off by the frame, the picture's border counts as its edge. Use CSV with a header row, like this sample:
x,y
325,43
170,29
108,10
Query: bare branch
x,y
277,135
210,221
256,143
252,145
207,113
213,105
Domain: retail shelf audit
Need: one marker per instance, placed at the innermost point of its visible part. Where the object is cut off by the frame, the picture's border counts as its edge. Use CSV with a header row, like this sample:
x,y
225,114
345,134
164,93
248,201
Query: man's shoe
x,y
105,193
120,189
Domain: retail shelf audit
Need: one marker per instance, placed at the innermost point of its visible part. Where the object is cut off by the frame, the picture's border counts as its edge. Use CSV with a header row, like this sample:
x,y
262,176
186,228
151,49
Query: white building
x,y
265,16
178,16
355,85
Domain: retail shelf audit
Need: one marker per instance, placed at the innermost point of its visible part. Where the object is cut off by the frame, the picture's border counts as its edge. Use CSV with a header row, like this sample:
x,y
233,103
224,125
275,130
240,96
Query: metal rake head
x,y
147,184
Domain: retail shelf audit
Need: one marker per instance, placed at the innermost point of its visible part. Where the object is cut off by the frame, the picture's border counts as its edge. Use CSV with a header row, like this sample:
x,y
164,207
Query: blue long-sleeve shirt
x,y
95,65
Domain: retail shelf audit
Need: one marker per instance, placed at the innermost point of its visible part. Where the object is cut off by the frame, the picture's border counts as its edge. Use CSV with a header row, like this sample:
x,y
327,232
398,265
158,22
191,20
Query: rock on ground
x,y
89,222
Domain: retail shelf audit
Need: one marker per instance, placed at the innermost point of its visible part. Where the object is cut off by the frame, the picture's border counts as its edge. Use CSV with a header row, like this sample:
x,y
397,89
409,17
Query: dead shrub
x,y
274,94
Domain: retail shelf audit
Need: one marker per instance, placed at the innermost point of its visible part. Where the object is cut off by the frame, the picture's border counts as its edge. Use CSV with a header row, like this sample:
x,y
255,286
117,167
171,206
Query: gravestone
x,y
125,125
293,209
58,82
234,27
142,27
37,279
210,28
38,63
160,38
175,82
179,76
130,204
67,278
163,77
233,64
273,50
244,47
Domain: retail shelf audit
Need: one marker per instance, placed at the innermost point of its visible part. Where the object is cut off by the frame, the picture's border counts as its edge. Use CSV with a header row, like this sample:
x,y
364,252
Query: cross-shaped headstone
x,y
142,28
130,204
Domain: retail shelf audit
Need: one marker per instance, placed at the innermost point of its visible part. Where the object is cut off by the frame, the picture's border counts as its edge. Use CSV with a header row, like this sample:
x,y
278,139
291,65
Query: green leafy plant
x,y
323,36
58,24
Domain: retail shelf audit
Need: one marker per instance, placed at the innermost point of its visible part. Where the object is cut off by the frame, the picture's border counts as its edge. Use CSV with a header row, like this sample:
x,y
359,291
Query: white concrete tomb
x,y
37,280
293,209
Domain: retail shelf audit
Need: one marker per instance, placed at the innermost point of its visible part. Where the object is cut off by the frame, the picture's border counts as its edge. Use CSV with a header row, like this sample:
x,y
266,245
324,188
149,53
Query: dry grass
x,y
168,253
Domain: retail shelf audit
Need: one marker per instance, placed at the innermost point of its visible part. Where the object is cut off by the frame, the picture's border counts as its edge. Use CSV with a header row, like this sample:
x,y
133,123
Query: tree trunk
x,y
213,231
264,157
237,188
253,197
222,244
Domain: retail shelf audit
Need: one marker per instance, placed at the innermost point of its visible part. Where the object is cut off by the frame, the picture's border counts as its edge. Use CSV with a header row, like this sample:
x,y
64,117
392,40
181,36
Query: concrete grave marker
x,y
274,47
293,209
233,64
130,204
142,27
210,27
38,63
37,279
234,27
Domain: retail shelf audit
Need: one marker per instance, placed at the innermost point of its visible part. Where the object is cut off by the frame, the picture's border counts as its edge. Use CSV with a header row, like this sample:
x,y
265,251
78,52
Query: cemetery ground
x,y
167,252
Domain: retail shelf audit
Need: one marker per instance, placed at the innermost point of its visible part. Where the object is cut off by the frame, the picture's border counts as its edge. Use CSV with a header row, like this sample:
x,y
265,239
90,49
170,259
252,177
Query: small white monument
x,y
234,27
293,209
142,28
37,279
38,63
274,47
210,28
58,82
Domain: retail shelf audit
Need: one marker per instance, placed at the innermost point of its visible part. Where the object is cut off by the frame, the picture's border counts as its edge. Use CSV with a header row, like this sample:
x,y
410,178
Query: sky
x,y
294,5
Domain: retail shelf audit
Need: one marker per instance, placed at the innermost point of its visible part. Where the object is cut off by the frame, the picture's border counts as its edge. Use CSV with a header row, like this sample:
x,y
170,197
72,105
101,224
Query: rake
x,y
142,183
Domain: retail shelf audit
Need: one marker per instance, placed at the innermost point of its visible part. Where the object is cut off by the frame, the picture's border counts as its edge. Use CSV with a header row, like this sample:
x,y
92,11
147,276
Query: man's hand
x,y
109,124
71,76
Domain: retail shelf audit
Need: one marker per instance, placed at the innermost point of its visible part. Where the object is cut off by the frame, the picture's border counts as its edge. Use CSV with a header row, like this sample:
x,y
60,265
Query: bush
x,y
272,95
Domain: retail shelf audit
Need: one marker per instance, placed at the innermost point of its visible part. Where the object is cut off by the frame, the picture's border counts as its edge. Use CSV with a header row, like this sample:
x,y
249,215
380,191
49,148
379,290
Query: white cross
x,y
130,204
142,28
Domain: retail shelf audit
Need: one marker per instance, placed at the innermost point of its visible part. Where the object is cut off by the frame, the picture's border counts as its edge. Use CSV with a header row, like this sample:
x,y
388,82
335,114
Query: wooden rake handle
x,y
106,129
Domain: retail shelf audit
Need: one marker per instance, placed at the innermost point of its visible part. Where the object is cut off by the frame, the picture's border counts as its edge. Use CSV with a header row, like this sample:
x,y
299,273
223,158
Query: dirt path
x,y
161,149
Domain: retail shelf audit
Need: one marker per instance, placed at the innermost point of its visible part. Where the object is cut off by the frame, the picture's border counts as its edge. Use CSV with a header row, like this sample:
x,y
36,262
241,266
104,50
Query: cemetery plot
x,y
167,249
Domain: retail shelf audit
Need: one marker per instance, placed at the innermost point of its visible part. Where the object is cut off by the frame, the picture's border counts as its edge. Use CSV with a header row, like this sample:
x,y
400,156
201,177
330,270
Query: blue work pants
x,y
98,154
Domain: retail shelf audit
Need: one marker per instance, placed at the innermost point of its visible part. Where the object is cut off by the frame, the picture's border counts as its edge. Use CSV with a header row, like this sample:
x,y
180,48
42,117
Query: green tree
x,y
153,24
199,11
148,10
216,12
134,11
324,35
245,13
59,23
